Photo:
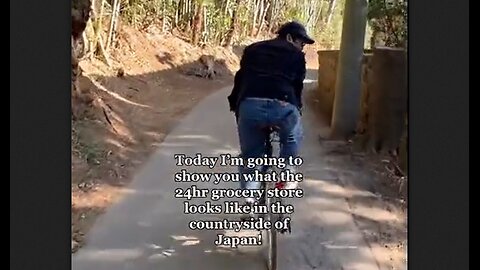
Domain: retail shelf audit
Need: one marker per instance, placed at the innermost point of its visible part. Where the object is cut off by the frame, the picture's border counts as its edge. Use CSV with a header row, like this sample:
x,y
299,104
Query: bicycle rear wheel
x,y
272,240
271,234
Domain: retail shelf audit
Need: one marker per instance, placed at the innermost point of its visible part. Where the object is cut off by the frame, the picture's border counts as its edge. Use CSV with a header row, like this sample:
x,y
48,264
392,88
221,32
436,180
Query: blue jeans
x,y
256,113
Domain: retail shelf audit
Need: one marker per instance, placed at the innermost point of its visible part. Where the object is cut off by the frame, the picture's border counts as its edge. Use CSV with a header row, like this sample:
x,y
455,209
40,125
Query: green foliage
x,y
329,35
295,13
217,26
179,14
388,20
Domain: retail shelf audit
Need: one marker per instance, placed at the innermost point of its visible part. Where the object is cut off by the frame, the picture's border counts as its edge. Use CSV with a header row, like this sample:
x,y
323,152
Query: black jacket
x,y
269,69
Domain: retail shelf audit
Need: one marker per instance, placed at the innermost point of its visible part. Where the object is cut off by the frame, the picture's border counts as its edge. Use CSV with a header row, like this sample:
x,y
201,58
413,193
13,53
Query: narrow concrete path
x,y
147,230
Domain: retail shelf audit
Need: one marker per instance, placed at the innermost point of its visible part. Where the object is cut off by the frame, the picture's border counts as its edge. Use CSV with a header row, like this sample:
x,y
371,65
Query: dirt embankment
x,y
130,108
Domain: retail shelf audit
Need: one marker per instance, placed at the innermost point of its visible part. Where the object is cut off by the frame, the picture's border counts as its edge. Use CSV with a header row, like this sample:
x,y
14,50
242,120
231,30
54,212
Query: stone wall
x,y
327,75
384,98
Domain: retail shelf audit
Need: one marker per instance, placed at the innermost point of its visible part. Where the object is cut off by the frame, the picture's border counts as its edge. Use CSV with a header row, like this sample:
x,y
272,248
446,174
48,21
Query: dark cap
x,y
295,29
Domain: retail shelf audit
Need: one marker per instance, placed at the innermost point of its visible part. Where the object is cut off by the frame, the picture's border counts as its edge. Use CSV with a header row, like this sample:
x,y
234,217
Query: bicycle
x,y
271,234
271,137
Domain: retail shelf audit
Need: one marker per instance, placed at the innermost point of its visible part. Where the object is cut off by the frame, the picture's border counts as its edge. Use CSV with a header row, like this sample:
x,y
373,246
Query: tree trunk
x,y
233,24
187,15
331,9
262,19
80,16
259,16
348,83
113,23
197,23
176,13
275,13
269,15
204,28
255,15
272,15
98,27
227,4
320,9
80,13
164,16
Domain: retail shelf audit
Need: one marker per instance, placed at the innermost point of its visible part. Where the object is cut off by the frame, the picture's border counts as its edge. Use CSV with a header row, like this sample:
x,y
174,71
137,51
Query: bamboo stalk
x,y
112,24
262,22
98,29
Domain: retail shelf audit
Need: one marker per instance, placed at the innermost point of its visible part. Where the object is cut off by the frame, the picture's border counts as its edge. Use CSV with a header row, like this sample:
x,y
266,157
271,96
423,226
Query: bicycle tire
x,y
272,240
271,234
272,251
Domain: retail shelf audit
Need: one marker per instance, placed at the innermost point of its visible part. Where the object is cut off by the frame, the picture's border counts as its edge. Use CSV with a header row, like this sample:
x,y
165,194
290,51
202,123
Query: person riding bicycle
x,y
267,92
